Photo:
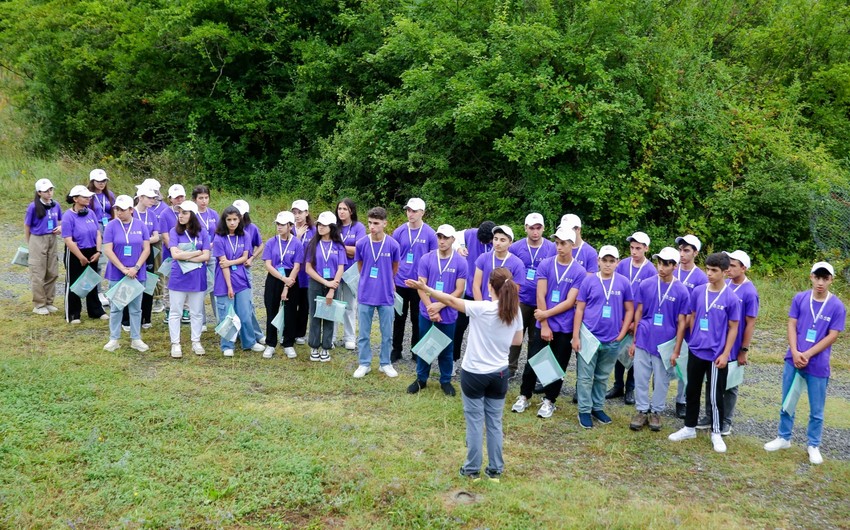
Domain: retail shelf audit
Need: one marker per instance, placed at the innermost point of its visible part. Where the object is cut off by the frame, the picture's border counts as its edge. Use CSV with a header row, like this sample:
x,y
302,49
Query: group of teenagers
x,y
634,317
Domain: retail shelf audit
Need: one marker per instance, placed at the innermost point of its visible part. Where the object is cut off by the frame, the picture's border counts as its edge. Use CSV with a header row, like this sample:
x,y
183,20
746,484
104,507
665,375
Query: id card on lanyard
x,y
658,319
439,285
282,251
412,240
555,297
326,270
373,271
128,248
812,333
233,248
703,322
606,309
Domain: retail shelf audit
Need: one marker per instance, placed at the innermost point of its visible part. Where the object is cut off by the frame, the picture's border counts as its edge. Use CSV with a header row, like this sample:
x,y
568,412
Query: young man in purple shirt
x,y
531,250
661,316
377,258
714,314
606,308
470,244
814,321
500,256
415,239
445,271
584,254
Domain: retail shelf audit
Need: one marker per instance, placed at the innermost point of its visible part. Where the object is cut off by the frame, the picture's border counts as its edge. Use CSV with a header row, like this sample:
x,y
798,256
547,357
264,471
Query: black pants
x,y
410,309
619,371
562,348
73,304
302,309
529,327
491,386
698,369
460,329
271,299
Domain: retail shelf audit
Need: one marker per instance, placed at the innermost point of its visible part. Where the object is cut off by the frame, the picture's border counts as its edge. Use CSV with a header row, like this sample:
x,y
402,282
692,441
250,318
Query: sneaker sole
x,y
325,360
315,359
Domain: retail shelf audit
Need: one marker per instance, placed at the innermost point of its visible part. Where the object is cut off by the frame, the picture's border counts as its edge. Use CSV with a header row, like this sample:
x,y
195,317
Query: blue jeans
x,y
817,399
386,314
445,360
244,310
593,377
115,315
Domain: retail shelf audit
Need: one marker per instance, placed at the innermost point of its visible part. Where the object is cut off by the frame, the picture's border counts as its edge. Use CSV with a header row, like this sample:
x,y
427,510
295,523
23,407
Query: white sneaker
x,y
105,316
815,456
138,345
198,349
204,328
361,371
685,433
718,443
520,405
146,325
301,340
389,371
546,409
314,355
290,352
350,345
112,345
157,307
75,321
40,311
51,308
777,444
228,353
176,351
257,347
104,301
324,356
268,353
125,328
262,340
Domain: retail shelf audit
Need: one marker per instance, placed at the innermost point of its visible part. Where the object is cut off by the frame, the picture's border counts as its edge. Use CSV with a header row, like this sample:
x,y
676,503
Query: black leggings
x,y
271,299
73,303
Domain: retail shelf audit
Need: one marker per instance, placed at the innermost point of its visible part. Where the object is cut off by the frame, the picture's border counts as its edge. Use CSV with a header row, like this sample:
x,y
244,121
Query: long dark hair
x,y
351,208
193,226
336,237
40,208
221,229
502,283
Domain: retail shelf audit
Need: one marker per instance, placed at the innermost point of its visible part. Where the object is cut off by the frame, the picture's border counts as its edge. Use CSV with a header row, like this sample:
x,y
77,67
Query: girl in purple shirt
x,y
255,250
282,256
351,231
325,262
304,231
103,197
81,233
41,226
143,212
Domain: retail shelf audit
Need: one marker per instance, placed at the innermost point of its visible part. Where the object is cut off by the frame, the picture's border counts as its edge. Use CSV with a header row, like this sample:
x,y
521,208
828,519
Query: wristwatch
x,y
744,349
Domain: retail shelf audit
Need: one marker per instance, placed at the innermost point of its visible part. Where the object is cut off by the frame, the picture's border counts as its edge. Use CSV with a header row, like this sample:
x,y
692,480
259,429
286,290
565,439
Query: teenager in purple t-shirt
x,y
82,236
415,239
661,316
814,321
583,253
500,256
143,212
714,315
470,244
209,220
103,197
605,307
445,271
42,223
283,255
156,208
325,261
305,230
558,280
190,247
255,251
126,244
377,258
531,250
352,231
231,251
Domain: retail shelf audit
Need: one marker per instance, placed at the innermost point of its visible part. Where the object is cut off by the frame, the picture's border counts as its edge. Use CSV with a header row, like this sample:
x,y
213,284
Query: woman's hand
x,y
415,284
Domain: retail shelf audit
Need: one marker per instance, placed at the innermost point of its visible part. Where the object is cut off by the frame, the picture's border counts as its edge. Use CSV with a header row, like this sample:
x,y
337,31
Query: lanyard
x,y
193,241
347,232
502,264
145,220
662,298
637,274
282,250
232,246
560,277
577,251
413,241
326,255
709,306
127,232
679,275
735,290
102,202
448,261
205,219
372,248
532,256
611,288
812,307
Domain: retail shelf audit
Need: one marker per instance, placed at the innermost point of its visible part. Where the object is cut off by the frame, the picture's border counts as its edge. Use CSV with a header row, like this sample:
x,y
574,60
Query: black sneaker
x,y
601,417
475,477
726,429
416,386
575,399
681,408
448,389
615,392
493,476
629,398
704,423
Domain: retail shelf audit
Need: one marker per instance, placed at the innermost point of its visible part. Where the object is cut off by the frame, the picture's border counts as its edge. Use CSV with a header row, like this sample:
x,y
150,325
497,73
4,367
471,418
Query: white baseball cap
x,y
505,229
43,185
242,206
300,204
446,230
176,190
639,237
415,204
98,175
609,250
667,254
80,191
326,218
151,184
189,206
534,218
690,239
571,221
146,192
284,218
565,234
125,202
823,265
741,256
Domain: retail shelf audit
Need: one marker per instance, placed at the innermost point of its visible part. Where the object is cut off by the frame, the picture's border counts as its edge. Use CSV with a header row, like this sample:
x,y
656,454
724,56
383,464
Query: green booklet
x,y
277,321
623,351
589,344
229,326
87,281
165,268
665,349
546,366
335,311
798,388
430,346
22,257
124,292
351,279
151,280
398,304
734,374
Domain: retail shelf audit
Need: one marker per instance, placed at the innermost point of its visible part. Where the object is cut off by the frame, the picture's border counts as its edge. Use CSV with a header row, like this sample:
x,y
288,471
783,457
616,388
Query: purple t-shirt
x,y
45,225
283,253
128,242
101,203
692,278
746,292
82,230
149,219
376,272
710,327
825,319
488,261
442,274
605,324
231,247
587,257
160,208
652,329
305,238
531,258
193,281
636,273
413,244
475,249
329,256
560,280
209,222
167,221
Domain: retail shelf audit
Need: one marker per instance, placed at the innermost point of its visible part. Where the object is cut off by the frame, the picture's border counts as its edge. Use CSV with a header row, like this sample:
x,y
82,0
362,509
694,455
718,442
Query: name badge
x,y
326,273
104,220
658,320
556,296
409,257
606,311
281,271
50,224
811,334
439,286
128,250
373,272
233,267
703,324
529,274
